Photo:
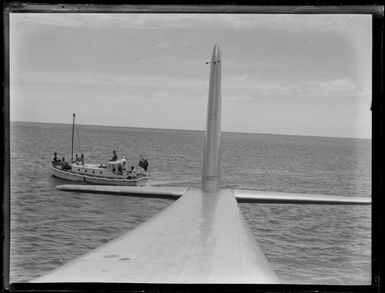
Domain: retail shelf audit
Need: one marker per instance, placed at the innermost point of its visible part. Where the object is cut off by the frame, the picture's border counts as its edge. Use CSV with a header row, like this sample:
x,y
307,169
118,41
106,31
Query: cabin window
x,y
101,172
86,171
93,172
79,170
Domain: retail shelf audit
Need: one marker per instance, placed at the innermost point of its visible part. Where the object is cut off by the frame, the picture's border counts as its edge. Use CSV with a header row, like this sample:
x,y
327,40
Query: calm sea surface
x,y
317,244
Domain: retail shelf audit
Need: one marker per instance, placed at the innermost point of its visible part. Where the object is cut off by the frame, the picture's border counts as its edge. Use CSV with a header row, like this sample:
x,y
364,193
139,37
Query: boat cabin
x,y
114,169
118,167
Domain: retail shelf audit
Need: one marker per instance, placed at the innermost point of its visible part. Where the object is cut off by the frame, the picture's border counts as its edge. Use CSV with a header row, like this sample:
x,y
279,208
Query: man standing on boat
x,y
132,172
114,157
143,163
65,165
55,159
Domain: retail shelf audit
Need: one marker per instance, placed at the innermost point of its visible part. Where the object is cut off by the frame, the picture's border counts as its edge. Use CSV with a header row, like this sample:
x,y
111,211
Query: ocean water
x,y
305,244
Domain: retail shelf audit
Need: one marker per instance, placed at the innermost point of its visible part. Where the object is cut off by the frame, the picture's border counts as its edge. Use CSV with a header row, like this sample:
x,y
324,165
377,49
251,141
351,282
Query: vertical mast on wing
x,y
211,177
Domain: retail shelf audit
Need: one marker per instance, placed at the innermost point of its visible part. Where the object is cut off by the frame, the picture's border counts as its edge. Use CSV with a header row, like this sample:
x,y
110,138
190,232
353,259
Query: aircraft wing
x,y
253,196
298,198
201,238
140,191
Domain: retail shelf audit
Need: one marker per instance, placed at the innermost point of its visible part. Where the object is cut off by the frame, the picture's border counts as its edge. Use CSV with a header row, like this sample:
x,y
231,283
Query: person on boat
x,y
55,159
124,160
65,165
114,157
81,160
77,160
143,163
132,172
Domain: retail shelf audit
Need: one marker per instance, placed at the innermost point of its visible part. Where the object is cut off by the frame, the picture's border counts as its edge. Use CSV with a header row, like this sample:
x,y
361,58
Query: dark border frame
x,y
378,192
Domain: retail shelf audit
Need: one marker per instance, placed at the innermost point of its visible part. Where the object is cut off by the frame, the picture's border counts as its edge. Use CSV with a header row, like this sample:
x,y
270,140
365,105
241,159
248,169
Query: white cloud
x,y
126,67
249,88
163,45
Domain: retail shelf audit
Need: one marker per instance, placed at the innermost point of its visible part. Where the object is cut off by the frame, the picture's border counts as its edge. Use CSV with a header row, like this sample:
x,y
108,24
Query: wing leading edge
x,y
252,196
139,191
256,196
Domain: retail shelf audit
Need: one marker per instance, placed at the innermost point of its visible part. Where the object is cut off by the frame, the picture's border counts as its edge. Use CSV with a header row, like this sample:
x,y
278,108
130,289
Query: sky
x,y
281,74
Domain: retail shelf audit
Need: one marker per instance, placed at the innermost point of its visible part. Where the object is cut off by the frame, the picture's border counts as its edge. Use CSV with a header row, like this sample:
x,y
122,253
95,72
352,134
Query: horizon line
x,y
177,129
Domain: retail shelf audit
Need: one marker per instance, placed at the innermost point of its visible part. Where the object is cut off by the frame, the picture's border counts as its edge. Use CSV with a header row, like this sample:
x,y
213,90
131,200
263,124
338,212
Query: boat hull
x,y
87,179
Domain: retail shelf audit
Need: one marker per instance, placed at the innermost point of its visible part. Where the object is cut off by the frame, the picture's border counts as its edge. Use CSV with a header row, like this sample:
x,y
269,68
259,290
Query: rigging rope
x,y
70,140
77,133
152,45
183,43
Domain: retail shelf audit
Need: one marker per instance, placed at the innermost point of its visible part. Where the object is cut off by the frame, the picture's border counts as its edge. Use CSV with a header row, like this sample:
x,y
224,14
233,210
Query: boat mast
x,y
72,146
